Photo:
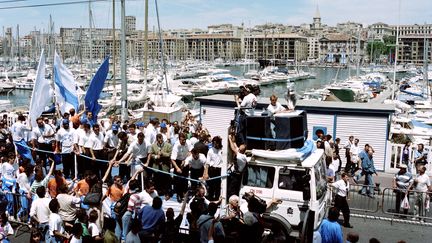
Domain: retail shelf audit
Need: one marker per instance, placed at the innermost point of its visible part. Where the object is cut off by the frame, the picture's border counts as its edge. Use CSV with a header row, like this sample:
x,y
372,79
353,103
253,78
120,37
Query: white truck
x,y
300,185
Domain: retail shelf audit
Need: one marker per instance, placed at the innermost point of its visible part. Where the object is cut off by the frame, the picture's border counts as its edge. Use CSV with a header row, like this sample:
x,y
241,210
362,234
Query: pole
x,y
161,48
124,111
90,38
425,63
145,44
114,50
358,54
396,55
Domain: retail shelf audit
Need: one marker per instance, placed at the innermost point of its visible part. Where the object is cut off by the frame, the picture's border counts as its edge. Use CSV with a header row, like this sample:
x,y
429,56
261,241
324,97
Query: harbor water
x,y
323,77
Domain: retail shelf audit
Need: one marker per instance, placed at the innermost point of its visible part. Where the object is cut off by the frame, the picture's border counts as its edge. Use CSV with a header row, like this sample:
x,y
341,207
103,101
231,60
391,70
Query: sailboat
x,y
154,101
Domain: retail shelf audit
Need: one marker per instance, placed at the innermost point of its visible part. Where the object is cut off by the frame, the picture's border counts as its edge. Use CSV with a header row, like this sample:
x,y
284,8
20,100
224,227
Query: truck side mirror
x,y
306,187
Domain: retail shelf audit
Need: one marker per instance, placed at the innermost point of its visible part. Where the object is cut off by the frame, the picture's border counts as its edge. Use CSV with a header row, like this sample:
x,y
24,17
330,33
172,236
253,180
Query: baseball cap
x,y
115,127
163,125
65,122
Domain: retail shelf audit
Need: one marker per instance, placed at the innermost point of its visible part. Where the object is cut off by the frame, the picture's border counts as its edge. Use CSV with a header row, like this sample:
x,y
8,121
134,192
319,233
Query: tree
x,y
384,47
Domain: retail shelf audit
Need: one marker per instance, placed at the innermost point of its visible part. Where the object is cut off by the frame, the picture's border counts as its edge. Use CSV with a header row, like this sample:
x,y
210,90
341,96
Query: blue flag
x,y
95,88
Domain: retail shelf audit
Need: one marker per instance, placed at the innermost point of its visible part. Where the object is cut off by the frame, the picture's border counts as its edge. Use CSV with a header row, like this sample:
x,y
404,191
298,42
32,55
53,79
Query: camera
x,y
255,204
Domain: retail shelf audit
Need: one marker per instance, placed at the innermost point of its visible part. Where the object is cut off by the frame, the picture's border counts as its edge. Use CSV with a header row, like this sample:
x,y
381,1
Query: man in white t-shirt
x,y
180,152
19,130
195,163
250,101
42,138
65,145
40,211
55,223
136,155
274,106
96,145
422,186
148,194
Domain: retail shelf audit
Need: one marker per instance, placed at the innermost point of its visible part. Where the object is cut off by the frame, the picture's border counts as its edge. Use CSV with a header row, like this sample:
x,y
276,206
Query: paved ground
x,y
385,232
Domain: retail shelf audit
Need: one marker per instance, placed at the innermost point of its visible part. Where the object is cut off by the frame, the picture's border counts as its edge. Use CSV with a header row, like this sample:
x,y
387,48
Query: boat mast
x,y
113,46
145,45
124,111
396,54
19,51
358,53
161,49
425,63
90,37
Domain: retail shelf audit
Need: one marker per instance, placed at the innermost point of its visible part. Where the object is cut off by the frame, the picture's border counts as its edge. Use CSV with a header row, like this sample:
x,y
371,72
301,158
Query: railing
x,y
363,203
396,157
418,204
388,201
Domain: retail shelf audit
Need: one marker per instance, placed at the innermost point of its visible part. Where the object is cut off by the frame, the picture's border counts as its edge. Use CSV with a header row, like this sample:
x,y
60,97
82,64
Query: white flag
x,y
41,94
65,86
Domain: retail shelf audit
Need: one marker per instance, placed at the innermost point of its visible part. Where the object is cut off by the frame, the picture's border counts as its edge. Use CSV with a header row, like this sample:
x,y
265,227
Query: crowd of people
x,y
78,180
360,163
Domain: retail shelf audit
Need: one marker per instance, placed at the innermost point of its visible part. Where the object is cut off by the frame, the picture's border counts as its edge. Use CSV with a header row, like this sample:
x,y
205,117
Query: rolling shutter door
x,y
217,120
318,120
370,130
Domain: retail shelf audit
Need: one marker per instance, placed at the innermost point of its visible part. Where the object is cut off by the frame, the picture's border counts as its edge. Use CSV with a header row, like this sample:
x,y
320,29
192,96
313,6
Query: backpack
x,y
121,205
94,195
198,205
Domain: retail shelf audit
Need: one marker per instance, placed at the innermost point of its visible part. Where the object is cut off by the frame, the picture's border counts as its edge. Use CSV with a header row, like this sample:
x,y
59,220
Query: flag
x,y
41,94
65,86
95,88
23,150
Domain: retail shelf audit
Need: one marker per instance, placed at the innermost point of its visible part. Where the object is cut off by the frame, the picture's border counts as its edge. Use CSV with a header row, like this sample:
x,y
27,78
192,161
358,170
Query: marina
x,y
190,121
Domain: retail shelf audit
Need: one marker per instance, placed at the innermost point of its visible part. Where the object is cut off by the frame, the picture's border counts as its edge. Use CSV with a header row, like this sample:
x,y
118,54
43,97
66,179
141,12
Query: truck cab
x,y
300,185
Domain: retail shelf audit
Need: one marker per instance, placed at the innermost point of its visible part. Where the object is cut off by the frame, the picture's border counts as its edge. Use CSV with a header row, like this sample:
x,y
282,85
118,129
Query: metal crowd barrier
x,y
363,203
11,203
388,201
419,202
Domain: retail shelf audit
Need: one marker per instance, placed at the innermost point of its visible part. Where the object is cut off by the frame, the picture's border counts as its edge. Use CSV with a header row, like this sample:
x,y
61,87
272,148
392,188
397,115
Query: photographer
x,y
232,217
252,217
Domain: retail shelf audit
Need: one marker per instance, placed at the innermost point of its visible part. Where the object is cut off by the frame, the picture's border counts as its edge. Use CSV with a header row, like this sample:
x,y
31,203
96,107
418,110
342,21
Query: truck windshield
x,y
290,179
259,176
320,180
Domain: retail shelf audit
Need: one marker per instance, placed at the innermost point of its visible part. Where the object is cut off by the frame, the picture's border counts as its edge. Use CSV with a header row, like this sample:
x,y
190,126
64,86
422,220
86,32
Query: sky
x,y
175,14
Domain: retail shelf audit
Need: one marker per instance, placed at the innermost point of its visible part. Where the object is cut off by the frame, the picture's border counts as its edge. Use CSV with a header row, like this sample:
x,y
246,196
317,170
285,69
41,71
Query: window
x,y
320,179
291,179
259,176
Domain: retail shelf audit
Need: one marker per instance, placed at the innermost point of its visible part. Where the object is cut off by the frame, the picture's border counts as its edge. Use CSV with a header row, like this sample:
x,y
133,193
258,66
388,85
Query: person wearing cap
x,y
164,131
140,126
402,181
111,141
64,144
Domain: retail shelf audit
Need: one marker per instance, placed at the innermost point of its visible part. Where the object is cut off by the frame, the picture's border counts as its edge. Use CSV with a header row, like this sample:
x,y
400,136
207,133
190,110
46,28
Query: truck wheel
x,y
275,232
